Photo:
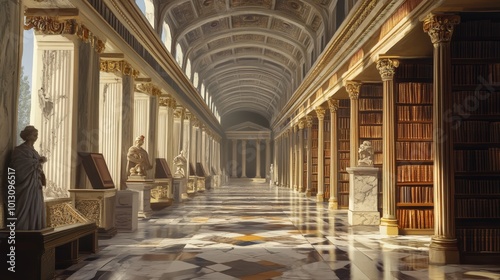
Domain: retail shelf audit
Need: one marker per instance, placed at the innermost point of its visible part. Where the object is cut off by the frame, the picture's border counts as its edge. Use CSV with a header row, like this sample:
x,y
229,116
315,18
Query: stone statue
x,y
365,154
28,181
180,165
138,159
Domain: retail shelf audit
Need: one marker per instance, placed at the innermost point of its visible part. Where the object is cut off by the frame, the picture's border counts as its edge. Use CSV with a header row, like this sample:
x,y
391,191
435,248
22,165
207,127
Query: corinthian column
x,y
333,104
320,112
353,90
243,158
388,223
300,184
234,170
309,124
257,159
443,248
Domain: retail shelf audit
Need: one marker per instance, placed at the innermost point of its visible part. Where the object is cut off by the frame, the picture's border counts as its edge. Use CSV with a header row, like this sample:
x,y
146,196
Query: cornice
x,y
121,66
148,88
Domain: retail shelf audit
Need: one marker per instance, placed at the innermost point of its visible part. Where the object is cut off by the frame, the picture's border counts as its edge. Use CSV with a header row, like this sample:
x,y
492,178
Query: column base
x,y
333,204
443,251
319,197
389,227
363,218
308,193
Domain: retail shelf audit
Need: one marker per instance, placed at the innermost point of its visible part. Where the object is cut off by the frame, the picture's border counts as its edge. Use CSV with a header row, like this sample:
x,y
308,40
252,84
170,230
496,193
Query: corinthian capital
x,y
440,27
387,68
320,112
333,104
353,88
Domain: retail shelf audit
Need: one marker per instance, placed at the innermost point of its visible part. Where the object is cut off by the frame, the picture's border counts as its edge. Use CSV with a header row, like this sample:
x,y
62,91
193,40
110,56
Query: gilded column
x,y
353,88
443,248
300,184
388,222
320,112
234,173
333,105
257,159
309,124
243,158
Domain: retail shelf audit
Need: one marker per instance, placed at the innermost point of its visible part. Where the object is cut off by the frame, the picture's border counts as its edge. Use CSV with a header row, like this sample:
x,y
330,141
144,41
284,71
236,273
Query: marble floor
x,y
252,231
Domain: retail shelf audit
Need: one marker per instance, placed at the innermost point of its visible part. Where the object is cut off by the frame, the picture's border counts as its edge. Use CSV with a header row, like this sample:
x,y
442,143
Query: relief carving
x,y
91,209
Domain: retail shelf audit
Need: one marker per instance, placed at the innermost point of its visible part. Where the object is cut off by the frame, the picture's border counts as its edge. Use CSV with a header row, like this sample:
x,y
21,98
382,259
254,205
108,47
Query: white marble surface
x,y
363,189
144,196
126,210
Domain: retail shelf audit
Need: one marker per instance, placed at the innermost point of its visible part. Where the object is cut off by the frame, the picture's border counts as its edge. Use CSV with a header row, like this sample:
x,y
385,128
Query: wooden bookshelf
x,y
314,156
475,71
305,178
343,126
326,154
370,125
414,156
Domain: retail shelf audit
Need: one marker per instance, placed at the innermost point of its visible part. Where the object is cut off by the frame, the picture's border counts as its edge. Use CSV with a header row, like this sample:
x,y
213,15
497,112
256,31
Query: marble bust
x,y
180,165
138,159
365,152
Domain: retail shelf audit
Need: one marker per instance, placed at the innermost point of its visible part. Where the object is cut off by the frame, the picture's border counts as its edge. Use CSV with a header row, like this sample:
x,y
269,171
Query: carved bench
x,y
38,252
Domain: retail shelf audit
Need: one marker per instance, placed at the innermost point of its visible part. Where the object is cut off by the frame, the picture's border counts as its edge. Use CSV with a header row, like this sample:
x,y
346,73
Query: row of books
x,y
370,104
343,177
415,173
477,207
477,160
475,49
344,134
370,131
344,122
344,187
414,93
414,151
415,218
476,29
469,74
414,113
479,240
416,194
477,131
371,90
478,102
370,118
415,70
343,164
343,201
477,186
344,145
421,131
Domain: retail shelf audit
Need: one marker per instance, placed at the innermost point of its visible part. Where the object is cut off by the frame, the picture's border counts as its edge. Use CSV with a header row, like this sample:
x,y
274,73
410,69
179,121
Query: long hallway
x,y
253,231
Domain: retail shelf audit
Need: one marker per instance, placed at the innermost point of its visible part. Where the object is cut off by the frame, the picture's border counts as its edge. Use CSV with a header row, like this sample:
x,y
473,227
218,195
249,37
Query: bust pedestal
x,y
144,190
127,208
97,205
363,192
180,185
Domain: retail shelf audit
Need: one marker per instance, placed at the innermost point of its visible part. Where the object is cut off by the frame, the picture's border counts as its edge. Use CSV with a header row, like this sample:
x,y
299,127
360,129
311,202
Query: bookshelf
x,y
304,161
370,125
414,157
314,156
475,71
343,116
326,154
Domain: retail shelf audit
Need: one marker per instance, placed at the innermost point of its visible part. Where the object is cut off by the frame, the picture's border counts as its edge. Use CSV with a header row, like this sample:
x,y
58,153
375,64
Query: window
x,y
179,55
188,68
195,80
166,36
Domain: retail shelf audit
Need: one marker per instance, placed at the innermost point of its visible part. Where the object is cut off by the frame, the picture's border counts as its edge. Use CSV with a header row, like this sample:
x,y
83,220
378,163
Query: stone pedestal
x,y
126,210
97,205
363,190
179,186
144,198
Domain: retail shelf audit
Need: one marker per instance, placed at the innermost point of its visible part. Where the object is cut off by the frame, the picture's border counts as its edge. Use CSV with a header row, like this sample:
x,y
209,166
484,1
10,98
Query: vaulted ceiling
x,y
249,54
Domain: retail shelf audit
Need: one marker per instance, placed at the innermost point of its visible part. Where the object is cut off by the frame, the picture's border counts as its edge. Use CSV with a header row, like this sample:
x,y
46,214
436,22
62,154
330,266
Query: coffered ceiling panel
x,y
248,53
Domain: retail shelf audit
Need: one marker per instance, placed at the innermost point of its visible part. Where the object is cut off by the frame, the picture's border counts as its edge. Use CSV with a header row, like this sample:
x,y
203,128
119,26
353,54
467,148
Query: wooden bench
x,y
39,252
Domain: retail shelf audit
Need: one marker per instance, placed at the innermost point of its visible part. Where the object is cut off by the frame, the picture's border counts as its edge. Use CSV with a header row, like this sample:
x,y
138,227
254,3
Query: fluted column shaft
x,y
443,248
309,123
353,90
320,112
234,172
257,159
290,158
300,184
243,158
333,105
388,222
296,158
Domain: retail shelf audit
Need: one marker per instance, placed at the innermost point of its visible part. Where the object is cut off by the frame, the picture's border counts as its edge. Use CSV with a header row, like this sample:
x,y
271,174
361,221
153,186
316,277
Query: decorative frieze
x,y
148,88
168,101
121,66
48,25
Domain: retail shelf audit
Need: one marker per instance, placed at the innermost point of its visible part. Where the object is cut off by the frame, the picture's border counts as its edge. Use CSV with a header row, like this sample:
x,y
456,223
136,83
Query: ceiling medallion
x,y
285,25
214,23
207,2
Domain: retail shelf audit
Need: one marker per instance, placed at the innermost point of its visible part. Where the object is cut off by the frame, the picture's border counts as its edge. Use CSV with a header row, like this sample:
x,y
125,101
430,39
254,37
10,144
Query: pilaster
x,y
320,112
243,158
234,166
257,159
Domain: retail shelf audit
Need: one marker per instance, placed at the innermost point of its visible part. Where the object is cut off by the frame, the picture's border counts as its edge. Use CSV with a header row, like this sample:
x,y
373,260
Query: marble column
x,y
186,141
161,134
257,160
320,112
292,158
11,16
170,140
268,158
243,158
141,117
443,248
333,105
286,162
300,183
177,129
127,119
353,88
309,124
234,172
204,146
388,222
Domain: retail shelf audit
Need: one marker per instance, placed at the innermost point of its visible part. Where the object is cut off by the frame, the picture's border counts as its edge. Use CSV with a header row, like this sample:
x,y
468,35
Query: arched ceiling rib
x,y
247,53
